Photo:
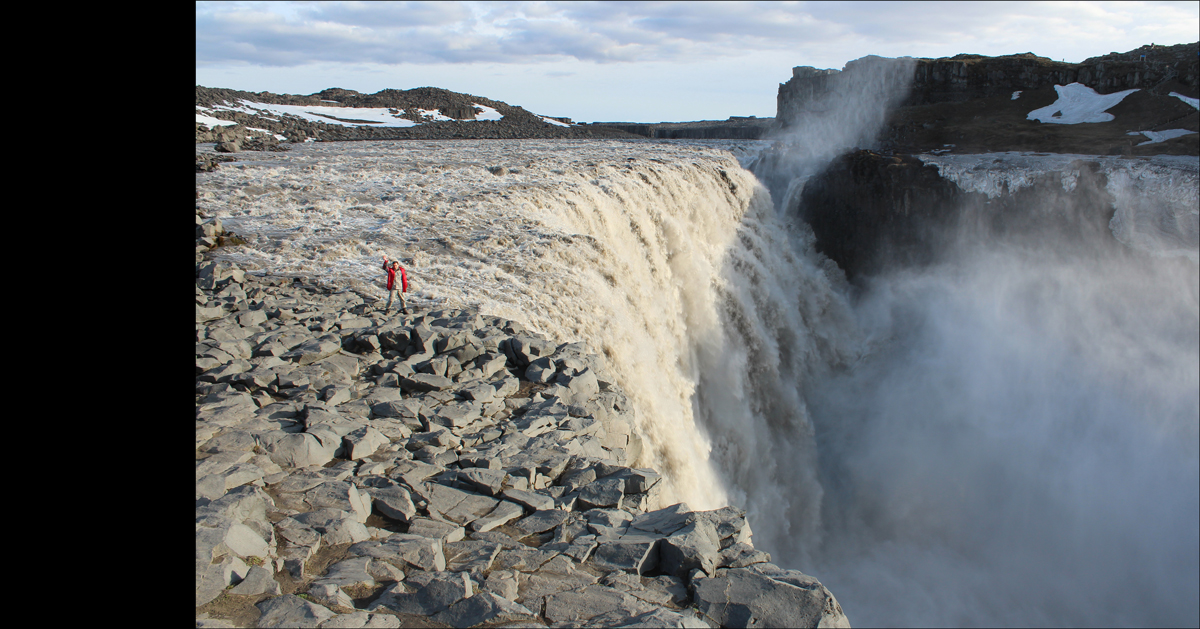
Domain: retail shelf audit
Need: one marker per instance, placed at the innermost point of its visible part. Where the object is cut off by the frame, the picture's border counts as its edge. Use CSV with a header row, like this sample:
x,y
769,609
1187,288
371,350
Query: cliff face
x,y
972,103
870,211
967,77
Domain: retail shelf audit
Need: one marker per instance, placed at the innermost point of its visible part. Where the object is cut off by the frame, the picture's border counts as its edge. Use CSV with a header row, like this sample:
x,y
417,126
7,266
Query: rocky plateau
x,y
359,468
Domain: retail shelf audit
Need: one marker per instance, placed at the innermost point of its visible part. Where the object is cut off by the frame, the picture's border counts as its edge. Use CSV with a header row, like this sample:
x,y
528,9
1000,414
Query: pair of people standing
x,y
395,288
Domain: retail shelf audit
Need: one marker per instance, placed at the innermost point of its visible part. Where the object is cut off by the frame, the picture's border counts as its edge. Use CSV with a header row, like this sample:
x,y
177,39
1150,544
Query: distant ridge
x,y
419,113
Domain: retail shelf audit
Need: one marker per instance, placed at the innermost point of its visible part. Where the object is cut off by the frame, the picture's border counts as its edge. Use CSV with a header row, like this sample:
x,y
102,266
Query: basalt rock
x,y
456,501
871,210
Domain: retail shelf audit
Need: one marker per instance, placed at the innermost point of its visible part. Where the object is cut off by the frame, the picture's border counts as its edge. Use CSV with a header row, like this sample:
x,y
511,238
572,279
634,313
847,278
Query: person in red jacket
x,y
395,289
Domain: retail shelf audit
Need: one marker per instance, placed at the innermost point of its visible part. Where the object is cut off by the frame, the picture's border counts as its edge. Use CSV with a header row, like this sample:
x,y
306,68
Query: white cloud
x,y
282,34
718,45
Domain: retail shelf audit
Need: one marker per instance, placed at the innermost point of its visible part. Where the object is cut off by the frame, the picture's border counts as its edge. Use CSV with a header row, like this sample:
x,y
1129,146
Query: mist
x,y
1019,444
848,112
1012,435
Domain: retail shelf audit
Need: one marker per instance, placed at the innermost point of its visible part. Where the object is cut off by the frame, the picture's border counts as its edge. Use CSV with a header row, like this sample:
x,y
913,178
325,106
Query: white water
x,y
1008,439
666,258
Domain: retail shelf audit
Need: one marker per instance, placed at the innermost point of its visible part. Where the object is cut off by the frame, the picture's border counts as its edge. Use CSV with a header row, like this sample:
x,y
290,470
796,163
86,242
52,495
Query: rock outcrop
x,y
870,211
407,104
973,103
443,468
969,77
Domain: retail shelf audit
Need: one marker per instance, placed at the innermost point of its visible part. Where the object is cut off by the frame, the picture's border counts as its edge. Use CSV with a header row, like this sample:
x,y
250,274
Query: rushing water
x,y
1010,438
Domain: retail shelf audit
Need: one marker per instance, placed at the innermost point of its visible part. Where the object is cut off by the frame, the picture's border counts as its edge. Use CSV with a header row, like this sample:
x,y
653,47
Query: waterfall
x,y
669,260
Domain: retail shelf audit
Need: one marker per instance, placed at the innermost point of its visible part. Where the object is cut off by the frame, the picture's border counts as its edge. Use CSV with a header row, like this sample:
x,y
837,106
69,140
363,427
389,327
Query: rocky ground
x,y
358,468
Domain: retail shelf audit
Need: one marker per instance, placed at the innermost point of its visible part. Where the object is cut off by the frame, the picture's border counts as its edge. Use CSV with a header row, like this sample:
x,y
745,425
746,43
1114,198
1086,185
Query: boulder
x,y
745,597
577,606
425,594
363,442
631,553
258,581
694,547
290,610
303,449
314,350
348,573
402,549
336,526
394,502
485,607
423,383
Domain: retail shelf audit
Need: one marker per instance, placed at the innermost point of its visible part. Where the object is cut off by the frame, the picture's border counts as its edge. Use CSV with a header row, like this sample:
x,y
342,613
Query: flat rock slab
x,y
258,581
664,521
630,553
504,513
348,573
542,521
656,618
534,588
362,620
436,529
485,607
744,597
426,594
580,605
533,500
290,610
471,556
336,526
402,549
523,559
484,481
424,382
315,350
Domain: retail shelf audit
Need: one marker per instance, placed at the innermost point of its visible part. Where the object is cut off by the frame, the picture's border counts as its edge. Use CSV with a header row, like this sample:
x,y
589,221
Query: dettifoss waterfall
x,y
1009,437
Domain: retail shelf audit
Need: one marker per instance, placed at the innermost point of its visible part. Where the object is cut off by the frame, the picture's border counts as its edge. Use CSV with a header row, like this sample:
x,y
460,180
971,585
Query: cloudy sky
x,y
638,61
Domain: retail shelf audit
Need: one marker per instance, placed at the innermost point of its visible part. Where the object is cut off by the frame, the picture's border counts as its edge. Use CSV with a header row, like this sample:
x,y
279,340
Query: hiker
x,y
393,288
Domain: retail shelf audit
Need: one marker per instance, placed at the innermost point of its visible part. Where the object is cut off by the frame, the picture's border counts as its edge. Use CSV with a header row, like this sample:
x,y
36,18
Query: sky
x,y
637,61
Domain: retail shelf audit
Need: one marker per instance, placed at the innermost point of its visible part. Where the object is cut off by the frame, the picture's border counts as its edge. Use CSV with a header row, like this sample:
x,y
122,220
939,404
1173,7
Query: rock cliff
x,y
973,103
871,211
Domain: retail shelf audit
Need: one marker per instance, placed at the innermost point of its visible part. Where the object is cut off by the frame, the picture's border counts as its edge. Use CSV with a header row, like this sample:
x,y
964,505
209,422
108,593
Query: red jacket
x,y
387,266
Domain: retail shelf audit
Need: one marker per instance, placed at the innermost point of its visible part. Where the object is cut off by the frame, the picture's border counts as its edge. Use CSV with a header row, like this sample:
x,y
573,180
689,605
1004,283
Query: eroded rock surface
x,y
440,468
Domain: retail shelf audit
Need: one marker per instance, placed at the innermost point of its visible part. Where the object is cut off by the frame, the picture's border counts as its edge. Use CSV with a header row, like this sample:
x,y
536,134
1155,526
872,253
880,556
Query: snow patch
x,y
1078,103
554,122
375,116
1160,136
488,113
1194,102
213,122
1016,95
436,114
